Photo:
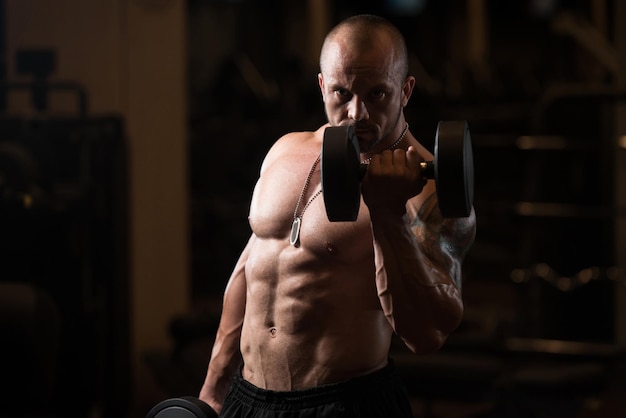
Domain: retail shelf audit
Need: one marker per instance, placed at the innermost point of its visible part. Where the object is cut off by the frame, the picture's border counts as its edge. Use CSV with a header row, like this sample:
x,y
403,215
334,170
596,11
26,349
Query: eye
x,y
342,95
378,94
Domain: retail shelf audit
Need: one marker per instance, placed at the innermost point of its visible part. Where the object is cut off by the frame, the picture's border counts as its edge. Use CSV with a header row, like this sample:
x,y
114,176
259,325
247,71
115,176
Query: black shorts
x,y
379,394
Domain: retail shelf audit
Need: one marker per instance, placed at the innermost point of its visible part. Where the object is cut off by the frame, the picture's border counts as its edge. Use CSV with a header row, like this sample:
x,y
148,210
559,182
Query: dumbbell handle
x,y
428,169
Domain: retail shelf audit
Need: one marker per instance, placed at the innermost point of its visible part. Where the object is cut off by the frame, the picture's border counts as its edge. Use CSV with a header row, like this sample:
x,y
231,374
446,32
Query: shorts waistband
x,y
251,394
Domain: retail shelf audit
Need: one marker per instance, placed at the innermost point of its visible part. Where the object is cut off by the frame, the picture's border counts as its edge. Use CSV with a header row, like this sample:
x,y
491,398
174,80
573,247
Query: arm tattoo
x,y
443,241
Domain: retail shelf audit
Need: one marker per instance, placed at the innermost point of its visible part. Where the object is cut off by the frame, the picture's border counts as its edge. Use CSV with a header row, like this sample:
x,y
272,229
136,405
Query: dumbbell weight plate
x,y
185,407
454,169
341,186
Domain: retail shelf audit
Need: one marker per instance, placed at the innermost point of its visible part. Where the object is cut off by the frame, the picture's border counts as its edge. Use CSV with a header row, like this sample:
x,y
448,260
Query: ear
x,y
320,82
407,90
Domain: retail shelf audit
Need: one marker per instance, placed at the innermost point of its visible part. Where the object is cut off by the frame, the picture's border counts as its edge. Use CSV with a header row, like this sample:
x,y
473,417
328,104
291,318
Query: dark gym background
x,y
540,82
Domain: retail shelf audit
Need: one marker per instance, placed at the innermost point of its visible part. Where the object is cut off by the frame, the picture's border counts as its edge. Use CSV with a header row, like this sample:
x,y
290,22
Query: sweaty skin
x,y
325,311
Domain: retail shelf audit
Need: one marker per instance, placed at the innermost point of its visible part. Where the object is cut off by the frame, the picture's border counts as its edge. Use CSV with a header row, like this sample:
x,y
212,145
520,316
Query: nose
x,y
357,110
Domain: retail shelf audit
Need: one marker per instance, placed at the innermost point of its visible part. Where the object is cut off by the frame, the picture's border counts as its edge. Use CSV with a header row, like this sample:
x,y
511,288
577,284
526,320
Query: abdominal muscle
x,y
312,316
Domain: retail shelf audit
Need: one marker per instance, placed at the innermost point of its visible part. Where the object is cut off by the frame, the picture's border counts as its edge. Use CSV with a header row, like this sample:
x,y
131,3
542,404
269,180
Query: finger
x,y
413,161
383,159
412,156
399,157
386,158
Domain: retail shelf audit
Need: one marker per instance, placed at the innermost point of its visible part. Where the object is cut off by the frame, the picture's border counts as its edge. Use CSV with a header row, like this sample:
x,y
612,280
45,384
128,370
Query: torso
x,y
312,315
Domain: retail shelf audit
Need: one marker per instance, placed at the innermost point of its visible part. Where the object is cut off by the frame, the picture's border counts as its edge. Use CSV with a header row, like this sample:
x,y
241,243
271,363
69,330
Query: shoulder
x,y
293,142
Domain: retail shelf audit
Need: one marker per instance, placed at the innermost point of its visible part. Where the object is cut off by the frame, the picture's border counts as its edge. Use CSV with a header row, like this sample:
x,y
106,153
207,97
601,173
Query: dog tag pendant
x,y
294,238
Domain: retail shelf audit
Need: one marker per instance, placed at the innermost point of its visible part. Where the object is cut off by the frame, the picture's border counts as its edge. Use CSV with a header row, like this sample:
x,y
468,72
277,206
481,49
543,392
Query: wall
x,y
620,175
130,56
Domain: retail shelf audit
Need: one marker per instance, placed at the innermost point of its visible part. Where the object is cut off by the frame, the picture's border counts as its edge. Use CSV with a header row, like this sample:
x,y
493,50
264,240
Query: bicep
x,y
444,241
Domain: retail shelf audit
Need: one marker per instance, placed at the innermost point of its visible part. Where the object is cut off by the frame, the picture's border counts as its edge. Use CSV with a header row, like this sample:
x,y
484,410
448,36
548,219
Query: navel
x,y
273,332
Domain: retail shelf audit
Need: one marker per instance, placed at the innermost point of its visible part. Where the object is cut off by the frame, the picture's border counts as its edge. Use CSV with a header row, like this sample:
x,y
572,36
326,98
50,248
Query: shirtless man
x,y
306,326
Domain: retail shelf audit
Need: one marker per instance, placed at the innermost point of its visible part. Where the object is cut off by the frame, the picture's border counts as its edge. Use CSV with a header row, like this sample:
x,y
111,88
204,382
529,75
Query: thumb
x,y
412,156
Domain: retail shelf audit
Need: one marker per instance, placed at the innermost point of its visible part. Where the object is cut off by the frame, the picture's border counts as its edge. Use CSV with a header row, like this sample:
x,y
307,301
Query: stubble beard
x,y
368,147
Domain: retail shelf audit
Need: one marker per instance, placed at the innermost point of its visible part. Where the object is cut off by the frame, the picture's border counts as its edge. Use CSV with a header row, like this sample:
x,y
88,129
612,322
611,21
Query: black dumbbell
x,y
184,407
452,169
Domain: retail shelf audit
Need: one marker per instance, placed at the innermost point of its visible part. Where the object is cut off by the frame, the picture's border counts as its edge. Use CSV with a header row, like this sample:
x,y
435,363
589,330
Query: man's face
x,y
365,90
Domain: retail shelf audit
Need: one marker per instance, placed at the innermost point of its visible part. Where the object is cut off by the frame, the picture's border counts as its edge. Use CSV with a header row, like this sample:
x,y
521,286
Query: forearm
x,y
226,354
225,359
418,296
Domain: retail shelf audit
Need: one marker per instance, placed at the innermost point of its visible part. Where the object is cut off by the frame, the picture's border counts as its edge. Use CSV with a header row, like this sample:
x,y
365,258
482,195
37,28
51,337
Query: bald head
x,y
363,33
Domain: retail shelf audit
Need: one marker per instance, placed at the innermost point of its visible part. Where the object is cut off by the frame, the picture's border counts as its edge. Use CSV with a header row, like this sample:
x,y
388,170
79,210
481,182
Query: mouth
x,y
365,138
363,130
364,133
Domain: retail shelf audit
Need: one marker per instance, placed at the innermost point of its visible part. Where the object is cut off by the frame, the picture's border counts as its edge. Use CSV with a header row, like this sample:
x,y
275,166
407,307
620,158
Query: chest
x,y
283,192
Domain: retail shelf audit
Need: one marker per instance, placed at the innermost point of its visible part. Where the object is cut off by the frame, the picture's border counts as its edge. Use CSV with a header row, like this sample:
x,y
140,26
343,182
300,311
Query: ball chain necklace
x,y
392,146
294,237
